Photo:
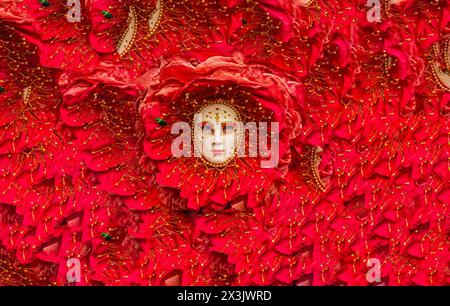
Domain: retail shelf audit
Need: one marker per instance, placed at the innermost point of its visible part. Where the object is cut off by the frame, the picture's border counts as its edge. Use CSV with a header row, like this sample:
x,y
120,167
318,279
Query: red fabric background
x,y
81,178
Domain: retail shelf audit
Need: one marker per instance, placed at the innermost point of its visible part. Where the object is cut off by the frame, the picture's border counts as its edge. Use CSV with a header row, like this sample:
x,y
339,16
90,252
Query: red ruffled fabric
x,y
86,171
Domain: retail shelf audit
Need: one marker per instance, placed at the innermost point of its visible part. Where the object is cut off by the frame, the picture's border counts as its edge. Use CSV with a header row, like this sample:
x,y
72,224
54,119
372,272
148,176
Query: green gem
x,y
2,90
107,14
44,3
161,122
106,236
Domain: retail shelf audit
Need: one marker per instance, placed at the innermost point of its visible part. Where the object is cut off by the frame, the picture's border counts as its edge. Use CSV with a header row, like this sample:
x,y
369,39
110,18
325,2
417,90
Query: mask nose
x,y
218,135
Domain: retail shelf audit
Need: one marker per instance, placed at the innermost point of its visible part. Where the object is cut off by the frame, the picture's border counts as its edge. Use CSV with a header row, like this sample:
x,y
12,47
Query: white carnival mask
x,y
216,133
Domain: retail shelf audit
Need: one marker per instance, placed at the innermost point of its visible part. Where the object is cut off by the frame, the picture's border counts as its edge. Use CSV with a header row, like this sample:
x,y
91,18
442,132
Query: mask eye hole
x,y
228,128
